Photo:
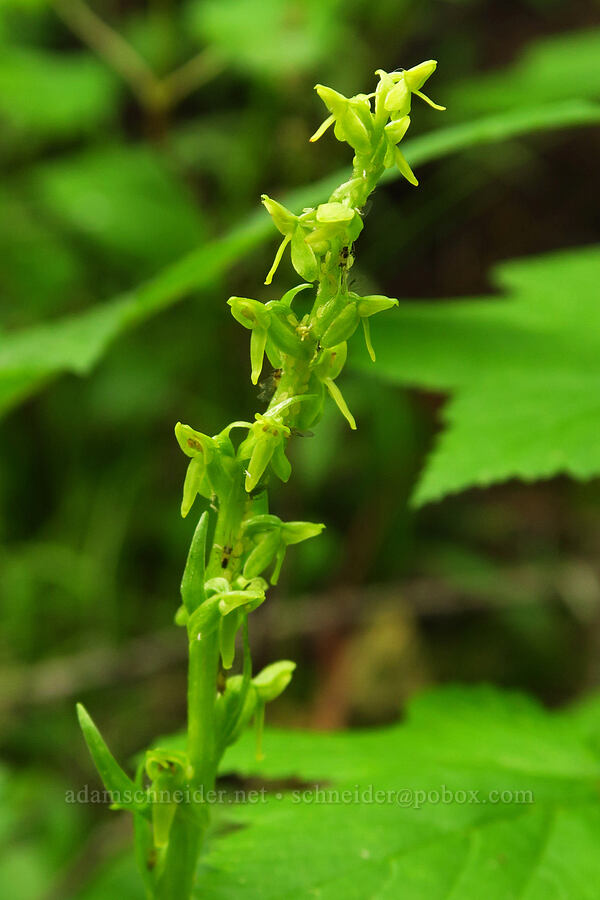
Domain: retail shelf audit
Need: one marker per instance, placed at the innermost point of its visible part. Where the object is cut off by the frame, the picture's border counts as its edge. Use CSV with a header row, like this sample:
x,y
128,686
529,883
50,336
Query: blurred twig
x,y
196,72
114,49
155,94
574,583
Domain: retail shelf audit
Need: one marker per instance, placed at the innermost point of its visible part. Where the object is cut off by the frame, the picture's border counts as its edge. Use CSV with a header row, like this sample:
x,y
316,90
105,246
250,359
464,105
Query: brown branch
x,y
574,582
196,72
154,93
113,49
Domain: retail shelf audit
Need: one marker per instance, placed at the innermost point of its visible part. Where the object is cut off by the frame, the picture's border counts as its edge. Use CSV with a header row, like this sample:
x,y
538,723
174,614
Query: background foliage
x,y
128,214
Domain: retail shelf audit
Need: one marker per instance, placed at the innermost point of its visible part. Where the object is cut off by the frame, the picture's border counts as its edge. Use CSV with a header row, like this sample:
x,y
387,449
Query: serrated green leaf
x,y
524,371
460,744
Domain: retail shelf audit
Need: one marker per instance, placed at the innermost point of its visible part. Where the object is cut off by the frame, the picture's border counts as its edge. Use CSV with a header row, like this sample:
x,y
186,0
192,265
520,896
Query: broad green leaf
x,y
30,358
46,96
125,200
551,69
483,794
524,371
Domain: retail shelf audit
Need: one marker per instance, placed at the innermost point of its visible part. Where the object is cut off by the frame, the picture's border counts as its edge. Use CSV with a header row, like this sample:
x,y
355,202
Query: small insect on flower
x,y
269,386
346,258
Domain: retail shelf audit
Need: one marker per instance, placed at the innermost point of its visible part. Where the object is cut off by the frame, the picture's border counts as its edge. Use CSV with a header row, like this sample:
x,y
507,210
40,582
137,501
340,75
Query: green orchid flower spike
x,y
238,543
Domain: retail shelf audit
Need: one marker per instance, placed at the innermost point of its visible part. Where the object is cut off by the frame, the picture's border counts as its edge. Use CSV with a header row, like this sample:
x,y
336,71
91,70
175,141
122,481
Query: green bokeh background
x,y
101,188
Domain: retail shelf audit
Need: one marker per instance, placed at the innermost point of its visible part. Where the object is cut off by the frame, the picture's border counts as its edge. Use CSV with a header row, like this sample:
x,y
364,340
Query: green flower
x,y
334,223
312,233
351,116
295,230
370,306
402,84
328,367
263,446
212,462
339,318
201,449
393,99
253,315
271,538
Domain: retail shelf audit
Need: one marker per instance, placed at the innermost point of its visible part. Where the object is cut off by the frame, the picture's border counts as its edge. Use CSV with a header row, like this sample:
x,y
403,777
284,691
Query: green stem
x,y
202,692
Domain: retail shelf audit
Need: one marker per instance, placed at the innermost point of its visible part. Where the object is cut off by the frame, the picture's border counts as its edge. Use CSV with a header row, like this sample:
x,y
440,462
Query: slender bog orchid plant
x,y
238,546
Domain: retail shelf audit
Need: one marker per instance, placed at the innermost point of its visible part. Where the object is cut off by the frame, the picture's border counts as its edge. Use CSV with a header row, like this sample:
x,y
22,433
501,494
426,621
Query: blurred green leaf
x,y
268,37
126,200
440,828
27,290
552,69
36,838
49,96
524,372
75,344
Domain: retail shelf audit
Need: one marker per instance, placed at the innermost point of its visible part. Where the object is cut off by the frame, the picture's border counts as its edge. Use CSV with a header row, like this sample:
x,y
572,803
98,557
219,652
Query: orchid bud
x,y
272,681
342,327
417,76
